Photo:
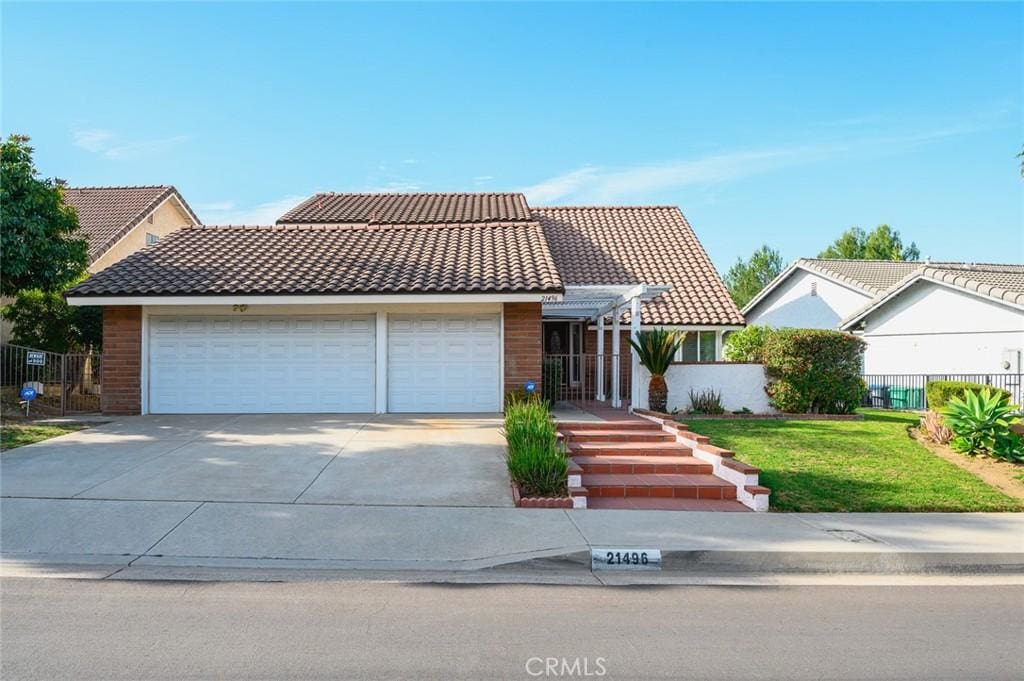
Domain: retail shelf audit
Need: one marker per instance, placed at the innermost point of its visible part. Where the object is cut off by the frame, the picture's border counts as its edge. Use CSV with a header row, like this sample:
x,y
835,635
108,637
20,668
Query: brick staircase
x,y
635,463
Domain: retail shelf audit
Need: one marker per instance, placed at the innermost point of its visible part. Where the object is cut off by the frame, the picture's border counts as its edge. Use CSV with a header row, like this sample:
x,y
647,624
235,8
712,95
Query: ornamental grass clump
x,y
535,459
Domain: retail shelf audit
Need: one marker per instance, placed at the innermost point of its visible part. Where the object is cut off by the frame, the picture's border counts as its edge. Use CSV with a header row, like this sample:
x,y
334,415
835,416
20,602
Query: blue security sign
x,y
28,394
530,387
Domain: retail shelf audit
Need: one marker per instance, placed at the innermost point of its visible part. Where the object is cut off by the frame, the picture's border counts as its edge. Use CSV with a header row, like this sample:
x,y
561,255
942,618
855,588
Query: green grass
x,y
19,434
869,465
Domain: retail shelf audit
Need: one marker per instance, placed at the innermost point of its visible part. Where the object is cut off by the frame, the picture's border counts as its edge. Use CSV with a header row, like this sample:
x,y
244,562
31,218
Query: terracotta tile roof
x,y
640,244
999,282
386,209
335,259
106,214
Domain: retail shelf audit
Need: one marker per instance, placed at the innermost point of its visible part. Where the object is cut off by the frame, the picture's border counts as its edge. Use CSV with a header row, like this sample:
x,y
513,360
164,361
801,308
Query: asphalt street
x,y
86,629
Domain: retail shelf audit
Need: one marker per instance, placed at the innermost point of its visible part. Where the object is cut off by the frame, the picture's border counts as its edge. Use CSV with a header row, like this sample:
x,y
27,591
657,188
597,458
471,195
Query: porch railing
x,y
580,378
906,391
68,383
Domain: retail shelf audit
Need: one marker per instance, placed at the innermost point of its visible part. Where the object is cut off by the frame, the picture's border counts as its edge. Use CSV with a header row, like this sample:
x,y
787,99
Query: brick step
x,y
616,436
678,486
609,425
643,464
657,504
628,449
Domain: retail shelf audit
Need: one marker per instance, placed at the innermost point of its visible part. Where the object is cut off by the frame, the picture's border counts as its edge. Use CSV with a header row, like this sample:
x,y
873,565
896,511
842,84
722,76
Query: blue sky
x,y
777,123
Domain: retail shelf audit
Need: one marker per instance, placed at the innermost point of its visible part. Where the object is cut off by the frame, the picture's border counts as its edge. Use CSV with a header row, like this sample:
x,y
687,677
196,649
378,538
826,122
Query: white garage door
x,y
443,363
315,363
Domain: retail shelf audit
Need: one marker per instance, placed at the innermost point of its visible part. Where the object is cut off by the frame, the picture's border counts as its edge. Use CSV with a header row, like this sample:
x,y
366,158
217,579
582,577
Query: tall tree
x,y
882,243
746,279
37,229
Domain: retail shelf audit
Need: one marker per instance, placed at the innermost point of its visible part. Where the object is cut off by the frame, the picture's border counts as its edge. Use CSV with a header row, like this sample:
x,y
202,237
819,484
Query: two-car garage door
x,y
322,363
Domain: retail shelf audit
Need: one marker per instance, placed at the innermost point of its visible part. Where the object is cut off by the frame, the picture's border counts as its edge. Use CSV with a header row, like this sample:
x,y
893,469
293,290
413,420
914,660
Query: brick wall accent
x,y
122,360
590,340
524,342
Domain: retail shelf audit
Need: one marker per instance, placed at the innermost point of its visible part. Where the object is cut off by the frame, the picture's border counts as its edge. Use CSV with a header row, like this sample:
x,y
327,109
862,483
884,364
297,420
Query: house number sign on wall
x,y
625,559
35,359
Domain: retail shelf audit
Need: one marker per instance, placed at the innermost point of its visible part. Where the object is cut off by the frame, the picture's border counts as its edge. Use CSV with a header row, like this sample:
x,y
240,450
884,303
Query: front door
x,y
564,341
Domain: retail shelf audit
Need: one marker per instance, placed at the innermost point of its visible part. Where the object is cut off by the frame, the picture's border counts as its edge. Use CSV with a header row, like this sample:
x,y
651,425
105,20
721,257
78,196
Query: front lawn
x,y
869,465
19,434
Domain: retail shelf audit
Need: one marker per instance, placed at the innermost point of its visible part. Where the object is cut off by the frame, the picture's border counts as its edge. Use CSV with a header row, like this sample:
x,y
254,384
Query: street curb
x,y
566,562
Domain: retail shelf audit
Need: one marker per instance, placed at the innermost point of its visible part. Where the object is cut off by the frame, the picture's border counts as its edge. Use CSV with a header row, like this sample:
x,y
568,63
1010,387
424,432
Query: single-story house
x,y
117,221
916,317
398,303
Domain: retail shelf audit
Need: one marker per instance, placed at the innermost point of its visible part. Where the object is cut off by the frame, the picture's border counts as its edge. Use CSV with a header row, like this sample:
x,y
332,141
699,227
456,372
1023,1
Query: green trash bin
x,y
906,398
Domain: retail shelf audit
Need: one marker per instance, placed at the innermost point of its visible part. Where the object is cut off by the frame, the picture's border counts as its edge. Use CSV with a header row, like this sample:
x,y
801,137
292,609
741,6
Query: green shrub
x,y
747,344
706,402
814,371
551,385
981,424
940,392
535,458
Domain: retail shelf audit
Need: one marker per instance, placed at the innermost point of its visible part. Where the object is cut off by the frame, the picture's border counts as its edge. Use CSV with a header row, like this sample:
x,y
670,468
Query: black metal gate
x,y
68,383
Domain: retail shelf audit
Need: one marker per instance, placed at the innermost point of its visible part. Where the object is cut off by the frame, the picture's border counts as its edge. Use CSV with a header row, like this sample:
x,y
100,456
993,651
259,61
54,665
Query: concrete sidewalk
x,y
109,535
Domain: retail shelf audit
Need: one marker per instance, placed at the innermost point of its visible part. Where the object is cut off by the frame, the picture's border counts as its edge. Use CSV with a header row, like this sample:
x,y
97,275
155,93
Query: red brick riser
x,y
635,463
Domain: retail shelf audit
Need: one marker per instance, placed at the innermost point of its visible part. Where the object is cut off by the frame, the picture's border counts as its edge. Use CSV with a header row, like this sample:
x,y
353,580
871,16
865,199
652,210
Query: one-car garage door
x,y
443,363
249,364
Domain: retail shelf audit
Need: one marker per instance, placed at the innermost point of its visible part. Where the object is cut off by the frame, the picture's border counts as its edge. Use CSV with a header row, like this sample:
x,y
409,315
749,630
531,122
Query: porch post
x,y
616,388
634,333
599,379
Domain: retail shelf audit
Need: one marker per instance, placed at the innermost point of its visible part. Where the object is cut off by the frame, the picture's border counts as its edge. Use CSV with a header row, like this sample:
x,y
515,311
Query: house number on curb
x,y
625,559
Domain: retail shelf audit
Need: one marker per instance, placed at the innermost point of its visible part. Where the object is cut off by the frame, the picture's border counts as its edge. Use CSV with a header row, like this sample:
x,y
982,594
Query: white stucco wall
x,y
741,385
931,328
791,303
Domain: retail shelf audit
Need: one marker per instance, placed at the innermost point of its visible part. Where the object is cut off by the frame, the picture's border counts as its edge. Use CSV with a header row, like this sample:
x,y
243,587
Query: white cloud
x,y
600,184
92,140
107,144
229,213
482,179
132,150
594,184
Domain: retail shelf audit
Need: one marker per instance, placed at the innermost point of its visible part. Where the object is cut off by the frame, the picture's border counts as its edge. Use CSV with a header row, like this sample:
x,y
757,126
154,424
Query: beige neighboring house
x,y
118,221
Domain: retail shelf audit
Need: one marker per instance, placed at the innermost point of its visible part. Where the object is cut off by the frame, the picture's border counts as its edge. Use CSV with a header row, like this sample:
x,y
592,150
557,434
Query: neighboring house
x,y
917,317
117,221
393,303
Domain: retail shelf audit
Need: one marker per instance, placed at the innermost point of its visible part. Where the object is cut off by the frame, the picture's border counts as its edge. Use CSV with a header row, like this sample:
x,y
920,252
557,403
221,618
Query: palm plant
x,y
656,349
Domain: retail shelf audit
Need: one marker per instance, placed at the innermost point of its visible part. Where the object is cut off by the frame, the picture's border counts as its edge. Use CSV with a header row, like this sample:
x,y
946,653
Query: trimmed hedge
x,y
940,392
814,371
747,344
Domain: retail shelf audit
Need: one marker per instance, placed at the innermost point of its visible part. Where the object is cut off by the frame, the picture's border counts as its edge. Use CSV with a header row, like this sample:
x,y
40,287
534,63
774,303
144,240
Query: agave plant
x,y
981,423
656,349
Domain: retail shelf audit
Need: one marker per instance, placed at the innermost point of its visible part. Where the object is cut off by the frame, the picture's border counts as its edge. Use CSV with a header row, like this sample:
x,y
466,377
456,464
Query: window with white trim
x,y
699,346
151,238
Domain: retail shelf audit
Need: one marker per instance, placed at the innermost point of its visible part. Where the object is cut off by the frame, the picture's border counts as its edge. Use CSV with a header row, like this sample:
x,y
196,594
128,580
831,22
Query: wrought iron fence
x,y
583,378
906,391
67,383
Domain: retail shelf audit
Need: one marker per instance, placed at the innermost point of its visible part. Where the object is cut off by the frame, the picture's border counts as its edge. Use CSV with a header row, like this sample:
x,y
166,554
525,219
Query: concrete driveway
x,y
415,460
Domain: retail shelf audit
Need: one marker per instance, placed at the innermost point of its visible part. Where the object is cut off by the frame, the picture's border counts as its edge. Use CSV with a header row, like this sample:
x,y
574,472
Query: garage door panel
x,y
302,363
443,363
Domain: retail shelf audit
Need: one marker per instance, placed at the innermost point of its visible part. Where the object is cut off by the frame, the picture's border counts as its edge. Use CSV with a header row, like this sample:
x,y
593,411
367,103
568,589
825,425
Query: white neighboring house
x,y
917,317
